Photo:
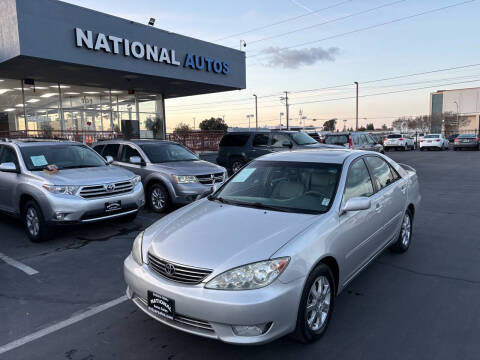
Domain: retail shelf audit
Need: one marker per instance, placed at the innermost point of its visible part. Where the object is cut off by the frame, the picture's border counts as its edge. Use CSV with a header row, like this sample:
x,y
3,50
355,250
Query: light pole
x,y
356,106
193,123
249,117
345,125
458,124
286,108
242,43
256,112
281,114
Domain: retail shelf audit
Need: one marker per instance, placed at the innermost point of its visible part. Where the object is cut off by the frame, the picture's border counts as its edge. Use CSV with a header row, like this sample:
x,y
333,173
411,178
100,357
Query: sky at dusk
x,y
329,44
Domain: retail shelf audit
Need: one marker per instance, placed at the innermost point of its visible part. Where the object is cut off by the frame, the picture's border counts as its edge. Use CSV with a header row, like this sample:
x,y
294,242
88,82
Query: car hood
x,y
208,234
199,167
319,146
85,176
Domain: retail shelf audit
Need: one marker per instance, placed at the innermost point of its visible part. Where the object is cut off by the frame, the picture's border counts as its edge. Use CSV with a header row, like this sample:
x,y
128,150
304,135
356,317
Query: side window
x,y
98,148
381,171
370,139
260,140
111,150
7,154
356,139
363,139
279,139
358,182
128,152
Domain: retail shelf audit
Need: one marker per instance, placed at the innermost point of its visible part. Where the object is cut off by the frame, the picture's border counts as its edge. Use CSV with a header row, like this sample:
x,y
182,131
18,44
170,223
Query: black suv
x,y
238,148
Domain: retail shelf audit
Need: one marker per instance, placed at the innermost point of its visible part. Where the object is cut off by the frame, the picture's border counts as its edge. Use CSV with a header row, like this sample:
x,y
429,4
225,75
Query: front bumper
x,y
183,194
211,313
79,210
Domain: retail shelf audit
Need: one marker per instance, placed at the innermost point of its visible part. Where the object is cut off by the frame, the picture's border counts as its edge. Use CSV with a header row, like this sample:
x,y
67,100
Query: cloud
x,y
293,59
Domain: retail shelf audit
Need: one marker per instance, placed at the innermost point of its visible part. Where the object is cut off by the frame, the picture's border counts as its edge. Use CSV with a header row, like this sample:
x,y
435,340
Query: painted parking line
x,y
17,264
60,325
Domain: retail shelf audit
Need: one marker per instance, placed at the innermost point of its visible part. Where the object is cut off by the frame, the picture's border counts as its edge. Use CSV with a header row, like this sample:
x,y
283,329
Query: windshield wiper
x,y
220,199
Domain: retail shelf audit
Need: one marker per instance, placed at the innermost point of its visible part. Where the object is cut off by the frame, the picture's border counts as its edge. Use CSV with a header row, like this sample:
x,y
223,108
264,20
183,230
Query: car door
x,y
390,198
278,141
370,145
126,152
8,180
359,228
260,145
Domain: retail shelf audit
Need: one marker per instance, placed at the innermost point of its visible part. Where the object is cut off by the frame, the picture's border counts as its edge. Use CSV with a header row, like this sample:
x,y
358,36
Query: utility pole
x,y
286,109
256,112
356,111
193,123
281,114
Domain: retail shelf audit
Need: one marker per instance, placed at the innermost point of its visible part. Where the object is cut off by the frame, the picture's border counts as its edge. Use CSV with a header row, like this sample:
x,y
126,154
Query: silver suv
x,y
52,182
171,173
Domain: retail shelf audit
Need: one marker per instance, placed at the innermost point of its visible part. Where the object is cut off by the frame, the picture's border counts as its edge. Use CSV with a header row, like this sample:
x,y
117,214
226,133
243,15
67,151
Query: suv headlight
x,y
135,180
61,189
185,179
251,276
137,249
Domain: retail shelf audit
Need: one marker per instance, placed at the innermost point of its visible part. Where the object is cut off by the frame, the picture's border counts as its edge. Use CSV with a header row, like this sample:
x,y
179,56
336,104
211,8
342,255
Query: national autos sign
x,y
116,45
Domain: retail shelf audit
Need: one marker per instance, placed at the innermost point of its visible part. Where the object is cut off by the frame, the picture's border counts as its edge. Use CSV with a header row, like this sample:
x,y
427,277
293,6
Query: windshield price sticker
x,y
38,160
243,175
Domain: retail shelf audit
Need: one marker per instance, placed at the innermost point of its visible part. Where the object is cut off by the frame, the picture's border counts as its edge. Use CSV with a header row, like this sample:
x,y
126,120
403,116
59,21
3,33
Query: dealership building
x,y
65,70
464,102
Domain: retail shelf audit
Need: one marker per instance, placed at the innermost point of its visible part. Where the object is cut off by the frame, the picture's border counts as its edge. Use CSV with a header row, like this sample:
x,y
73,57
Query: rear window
x,y
336,139
394,136
234,140
431,136
467,136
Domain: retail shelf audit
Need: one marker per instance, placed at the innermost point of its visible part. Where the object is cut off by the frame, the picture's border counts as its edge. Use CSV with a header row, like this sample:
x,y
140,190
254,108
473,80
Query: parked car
x,y
399,142
452,138
171,173
315,220
238,148
466,141
49,183
434,141
354,140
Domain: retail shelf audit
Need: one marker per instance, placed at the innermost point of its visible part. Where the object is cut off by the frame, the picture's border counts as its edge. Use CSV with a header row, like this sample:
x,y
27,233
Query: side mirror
x,y
109,159
356,204
8,167
287,144
137,160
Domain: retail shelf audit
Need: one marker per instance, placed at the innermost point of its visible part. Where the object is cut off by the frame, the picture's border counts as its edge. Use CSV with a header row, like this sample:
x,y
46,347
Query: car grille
x,y
182,320
177,272
208,180
96,191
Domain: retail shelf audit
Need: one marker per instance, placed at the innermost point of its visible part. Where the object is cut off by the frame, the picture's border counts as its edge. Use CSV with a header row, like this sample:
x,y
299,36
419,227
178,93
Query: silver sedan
x,y
267,253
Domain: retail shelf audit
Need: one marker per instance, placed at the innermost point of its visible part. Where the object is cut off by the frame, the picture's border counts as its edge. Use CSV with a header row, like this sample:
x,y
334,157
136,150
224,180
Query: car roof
x,y
330,156
134,141
35,142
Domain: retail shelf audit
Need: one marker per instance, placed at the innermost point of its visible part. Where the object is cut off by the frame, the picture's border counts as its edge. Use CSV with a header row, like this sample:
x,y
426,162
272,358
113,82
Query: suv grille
x,y
208,180
177,272
95,191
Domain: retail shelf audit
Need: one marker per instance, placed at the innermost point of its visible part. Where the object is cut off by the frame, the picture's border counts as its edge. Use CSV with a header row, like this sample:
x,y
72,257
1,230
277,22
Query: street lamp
x,y
356,107
256,112
249,117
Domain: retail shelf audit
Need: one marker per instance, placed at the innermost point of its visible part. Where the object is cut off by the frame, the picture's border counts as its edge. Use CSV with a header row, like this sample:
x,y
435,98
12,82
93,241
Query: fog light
x,y
251,330
141,202
60,216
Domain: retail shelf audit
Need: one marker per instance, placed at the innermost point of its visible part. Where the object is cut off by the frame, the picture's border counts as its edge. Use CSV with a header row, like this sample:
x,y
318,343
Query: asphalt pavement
x,y
423,304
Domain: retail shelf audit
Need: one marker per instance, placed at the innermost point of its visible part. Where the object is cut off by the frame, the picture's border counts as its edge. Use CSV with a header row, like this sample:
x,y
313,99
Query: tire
x,y
421,149
34,223
404,239
304,332
236,164
158,198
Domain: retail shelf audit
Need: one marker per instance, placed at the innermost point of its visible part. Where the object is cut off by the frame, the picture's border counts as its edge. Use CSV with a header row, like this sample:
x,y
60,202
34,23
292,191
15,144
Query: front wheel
x,y
34,223
236,165
406,231
158,198
316,305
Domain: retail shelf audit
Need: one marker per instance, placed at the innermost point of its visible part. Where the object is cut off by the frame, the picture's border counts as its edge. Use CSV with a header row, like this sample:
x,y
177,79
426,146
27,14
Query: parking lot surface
x,y
419,305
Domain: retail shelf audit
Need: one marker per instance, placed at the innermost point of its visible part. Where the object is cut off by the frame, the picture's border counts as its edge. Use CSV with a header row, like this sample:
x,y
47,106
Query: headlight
x,y
135,180
251,276
137,249
185,179
62,189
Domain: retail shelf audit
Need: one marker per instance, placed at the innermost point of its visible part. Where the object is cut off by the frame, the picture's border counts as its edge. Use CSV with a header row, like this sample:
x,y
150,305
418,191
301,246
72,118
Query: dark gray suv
x,y
238,148
171,173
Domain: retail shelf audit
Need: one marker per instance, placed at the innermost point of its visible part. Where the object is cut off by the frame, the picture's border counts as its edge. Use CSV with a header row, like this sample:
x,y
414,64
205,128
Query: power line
x,y
370,27
284,21
327,22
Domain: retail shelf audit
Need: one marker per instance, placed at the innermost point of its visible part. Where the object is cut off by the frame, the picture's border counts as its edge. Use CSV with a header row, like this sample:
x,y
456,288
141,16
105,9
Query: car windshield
x,y
38,157
432,136
298,187
164,152
466,136
394,136
303,139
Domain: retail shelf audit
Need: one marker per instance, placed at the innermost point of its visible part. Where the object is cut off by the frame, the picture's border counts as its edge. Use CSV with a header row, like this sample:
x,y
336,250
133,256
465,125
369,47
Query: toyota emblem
x,y
110,187
169,269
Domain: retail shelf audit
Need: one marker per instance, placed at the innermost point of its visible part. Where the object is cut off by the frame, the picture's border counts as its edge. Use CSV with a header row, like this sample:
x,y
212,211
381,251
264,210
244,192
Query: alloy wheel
x,y
33,222
158,199
406,230
318,303
237,165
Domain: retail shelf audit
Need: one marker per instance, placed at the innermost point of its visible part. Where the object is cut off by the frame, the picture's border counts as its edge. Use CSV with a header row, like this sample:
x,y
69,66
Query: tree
x,y
182,127
362,128
370,127
384,127
330,125
155,126
213,124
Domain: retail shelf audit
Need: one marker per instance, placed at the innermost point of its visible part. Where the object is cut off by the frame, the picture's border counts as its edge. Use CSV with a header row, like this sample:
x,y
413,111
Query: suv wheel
x,y
236,164
158,198
316,305
35,226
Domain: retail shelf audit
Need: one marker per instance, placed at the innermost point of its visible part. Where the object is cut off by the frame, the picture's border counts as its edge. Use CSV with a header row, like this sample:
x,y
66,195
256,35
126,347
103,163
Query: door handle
x,y
403,188
378,206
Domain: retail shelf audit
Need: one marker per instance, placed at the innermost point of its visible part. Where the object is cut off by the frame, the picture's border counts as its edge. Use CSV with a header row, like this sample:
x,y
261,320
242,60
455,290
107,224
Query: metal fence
x,y
198,140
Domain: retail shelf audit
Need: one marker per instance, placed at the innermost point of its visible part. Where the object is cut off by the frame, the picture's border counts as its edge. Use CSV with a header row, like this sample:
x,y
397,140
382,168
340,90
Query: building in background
x,y
445,105
68,70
